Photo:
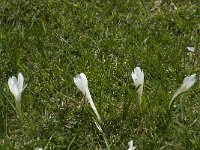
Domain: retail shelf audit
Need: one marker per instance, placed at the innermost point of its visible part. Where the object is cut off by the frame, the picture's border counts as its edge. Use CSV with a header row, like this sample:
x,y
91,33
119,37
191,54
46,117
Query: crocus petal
x,y
133,76
189,81
84,79
37,148
138,77
17,93
81,82
130,144
190,49
20,82
12,82
139,74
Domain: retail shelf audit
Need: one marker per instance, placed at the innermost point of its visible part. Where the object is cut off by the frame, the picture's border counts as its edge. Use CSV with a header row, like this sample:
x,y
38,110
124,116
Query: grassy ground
x,y
50,42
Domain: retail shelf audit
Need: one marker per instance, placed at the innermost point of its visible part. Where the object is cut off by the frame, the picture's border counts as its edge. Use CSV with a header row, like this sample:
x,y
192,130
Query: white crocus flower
x,y
188,82
82,83
16,87
130,144
138,79
38,148
190,49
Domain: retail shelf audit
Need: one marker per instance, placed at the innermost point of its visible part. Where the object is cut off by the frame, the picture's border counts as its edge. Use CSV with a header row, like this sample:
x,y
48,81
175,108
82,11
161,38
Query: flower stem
x,y
89,98
172,100
141,103
18,109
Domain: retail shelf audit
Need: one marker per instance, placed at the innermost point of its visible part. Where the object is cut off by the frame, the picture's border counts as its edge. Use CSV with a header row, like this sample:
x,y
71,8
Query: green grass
x,y
50,42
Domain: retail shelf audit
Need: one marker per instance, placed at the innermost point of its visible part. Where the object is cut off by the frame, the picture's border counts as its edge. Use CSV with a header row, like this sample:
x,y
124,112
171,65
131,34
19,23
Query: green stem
x,y
172,100
141,103
19,110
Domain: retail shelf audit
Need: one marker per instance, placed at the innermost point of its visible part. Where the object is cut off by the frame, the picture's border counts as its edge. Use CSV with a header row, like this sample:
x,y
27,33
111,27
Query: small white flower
x,y
138,79
188,82
190,49
16,86
82,83
130,144
38,148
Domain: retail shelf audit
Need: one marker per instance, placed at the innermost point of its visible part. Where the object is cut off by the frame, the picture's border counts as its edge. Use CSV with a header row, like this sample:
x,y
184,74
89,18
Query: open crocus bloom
x,y
82,83
188,82
131,145
138,79
16,86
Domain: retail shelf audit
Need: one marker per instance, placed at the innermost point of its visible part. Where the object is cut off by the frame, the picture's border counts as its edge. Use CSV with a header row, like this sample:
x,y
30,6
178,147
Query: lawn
x,y
50,42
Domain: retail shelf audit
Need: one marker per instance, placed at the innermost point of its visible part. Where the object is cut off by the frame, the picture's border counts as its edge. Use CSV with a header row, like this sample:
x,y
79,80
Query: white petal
x,y
137,69
37,148
130,144
84,79
189,81
133,76
140,75
12,81
190,49
81,82
20,82
16,92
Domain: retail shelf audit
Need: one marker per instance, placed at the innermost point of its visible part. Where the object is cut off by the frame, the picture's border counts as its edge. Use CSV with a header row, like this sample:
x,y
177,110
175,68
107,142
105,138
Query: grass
x,y
50,42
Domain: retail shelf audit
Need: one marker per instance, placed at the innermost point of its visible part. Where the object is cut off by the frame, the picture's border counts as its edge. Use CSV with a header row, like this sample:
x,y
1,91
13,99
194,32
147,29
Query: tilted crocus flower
x,y
82,83
16,87
188,82
130,144
138,79
190,49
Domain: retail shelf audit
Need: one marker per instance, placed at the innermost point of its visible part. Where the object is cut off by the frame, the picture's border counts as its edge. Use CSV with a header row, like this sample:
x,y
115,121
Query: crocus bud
x,y
138,79
82,83
188,82
130,144
16,86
